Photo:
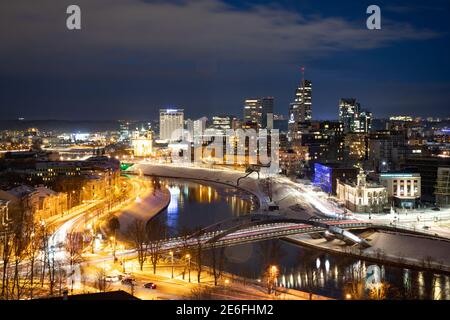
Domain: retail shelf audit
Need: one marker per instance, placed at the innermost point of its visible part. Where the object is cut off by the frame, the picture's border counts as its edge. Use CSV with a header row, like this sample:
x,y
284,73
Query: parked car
x,y
112,278
150,285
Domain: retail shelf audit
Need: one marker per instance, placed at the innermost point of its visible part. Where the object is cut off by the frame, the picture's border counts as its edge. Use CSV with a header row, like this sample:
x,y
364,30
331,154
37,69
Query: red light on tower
x,y
302,69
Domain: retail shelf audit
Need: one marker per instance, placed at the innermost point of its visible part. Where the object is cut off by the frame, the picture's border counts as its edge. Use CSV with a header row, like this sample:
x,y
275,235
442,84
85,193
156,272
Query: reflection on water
x,y
193,205
335,276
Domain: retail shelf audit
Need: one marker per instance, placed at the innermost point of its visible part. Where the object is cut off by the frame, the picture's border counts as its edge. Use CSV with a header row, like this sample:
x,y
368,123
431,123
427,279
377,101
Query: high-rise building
x,y
171,123
189,132
267,112
348,109
300,111
222,122
256,112
252,111
353,117
124,130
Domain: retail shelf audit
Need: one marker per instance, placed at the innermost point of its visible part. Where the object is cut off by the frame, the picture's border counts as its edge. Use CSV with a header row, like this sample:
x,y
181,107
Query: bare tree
x,y
199,252
137,232
7,250
74,248
23,229
217,262
100,281
185,235
201,293
156,231
33,251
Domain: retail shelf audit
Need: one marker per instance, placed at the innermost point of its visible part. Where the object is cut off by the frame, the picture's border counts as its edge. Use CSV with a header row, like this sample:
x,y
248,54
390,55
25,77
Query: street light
x,y
273,272
113,240
171,256
348,296
188,256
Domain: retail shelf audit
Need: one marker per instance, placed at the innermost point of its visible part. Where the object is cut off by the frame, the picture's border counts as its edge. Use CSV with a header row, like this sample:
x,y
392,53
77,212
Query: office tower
x,y
189,132
348,109
269,123
363,123
302,104
124,127
199,128
267,112
353,117
300,110
256,111
253,112
171,123
223,122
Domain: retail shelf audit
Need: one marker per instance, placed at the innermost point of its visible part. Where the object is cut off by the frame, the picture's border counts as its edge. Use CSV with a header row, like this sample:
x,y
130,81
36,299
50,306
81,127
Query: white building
x,y
443,187
189,132
403,188
171,124
142,142
200,127
362,196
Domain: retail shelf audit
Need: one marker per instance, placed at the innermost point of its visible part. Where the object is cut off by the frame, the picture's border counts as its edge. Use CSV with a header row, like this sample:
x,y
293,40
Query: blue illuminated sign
x,y
322,177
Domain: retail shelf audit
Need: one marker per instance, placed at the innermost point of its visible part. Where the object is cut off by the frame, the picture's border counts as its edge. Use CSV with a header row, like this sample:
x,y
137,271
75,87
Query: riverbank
x,y
147,205
293,203
400,250
282,193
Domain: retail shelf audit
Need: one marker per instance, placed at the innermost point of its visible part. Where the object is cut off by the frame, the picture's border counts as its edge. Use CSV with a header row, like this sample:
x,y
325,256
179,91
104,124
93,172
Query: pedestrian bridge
x,y
259,227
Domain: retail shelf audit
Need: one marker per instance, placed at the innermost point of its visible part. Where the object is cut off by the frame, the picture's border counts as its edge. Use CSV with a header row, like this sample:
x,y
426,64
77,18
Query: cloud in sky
x,y
153,31
132,57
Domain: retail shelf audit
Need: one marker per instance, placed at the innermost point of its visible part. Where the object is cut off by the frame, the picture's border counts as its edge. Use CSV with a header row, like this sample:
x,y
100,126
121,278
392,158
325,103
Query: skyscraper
x,y
252,112
348,109
267,112
256,112
171,123
222,122
353,117
300,111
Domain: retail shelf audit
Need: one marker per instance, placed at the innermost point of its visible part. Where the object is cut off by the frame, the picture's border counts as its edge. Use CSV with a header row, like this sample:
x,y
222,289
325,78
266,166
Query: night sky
x,y
133,57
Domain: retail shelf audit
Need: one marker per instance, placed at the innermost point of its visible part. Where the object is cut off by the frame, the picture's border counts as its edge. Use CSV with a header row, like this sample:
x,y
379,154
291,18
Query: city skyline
x,y
133,78
250,150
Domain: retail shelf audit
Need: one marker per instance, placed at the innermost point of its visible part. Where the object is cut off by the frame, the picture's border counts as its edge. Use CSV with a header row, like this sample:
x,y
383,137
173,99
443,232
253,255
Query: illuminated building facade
x,y
353,117
327,174
403,188
142,143
300,111
443,187
362,196
258,112
171,124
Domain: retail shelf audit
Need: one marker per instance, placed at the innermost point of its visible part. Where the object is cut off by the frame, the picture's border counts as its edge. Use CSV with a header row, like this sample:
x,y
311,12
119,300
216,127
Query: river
x,y
194,204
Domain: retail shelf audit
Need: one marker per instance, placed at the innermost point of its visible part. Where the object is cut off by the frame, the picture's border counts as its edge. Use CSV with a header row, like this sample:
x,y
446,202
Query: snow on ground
x,y
418,248
144,208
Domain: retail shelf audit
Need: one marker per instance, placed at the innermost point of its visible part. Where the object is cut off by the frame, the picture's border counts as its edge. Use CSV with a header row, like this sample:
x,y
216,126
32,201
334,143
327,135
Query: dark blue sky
x,y
133,57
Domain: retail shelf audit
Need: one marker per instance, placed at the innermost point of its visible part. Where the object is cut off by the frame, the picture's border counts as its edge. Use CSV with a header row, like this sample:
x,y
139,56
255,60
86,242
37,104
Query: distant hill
x,y
60,125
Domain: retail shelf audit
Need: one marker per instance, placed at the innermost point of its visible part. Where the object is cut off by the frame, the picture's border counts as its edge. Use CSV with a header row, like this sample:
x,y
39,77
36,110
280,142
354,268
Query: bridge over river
x,y
258,227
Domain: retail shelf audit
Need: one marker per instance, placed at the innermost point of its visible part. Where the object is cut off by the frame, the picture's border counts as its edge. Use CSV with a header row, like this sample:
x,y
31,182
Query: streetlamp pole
x,y
189,266
171,256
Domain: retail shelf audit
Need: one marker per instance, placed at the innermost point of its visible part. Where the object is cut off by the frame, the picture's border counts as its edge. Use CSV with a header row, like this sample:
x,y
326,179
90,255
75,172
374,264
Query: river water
x,y
194,204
